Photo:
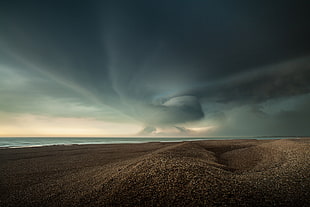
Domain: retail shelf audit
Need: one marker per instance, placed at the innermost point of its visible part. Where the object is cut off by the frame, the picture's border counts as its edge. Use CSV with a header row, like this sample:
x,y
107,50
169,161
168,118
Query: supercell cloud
x,y
241,67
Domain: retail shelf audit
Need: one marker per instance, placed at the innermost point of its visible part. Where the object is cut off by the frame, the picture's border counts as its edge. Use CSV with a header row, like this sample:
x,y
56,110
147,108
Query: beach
x,y
193,173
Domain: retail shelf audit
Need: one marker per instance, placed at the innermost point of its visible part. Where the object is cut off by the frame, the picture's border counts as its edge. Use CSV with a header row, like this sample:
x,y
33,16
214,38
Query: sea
x,y
21,142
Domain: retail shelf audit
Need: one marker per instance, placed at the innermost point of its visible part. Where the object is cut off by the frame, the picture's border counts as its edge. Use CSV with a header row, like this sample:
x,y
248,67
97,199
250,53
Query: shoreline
x,y
155,139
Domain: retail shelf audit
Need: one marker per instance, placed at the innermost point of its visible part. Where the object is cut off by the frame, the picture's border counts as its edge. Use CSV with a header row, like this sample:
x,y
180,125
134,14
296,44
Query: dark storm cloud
x,y
163,62
258,85
288,117
176,110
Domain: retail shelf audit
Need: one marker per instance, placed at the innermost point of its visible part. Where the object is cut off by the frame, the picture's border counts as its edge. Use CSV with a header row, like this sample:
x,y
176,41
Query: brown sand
x,y
200,173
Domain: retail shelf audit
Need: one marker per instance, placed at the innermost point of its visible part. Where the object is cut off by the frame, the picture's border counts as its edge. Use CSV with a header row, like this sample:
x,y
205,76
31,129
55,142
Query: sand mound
x,y
191,174
179,174
204,173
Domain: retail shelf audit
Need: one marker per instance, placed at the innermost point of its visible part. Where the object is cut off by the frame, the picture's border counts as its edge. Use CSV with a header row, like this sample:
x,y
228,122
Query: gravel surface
x,y
199,173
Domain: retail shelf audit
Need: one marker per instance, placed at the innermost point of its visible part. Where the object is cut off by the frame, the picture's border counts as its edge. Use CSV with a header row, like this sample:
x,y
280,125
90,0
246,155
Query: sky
x,y
154,68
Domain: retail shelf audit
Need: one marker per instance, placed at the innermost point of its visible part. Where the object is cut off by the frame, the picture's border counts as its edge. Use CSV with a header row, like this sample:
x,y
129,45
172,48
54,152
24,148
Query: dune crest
x,y
200,173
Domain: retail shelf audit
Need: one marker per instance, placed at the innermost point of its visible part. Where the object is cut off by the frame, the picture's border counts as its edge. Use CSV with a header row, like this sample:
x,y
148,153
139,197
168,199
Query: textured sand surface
x,y
201,173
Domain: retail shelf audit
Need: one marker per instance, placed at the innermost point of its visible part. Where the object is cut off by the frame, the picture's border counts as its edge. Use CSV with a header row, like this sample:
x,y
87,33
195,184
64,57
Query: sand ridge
x,y
199,173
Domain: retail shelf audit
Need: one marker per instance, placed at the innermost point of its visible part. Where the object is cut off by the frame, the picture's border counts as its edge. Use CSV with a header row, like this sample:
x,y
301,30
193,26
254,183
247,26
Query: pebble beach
x,y
195,173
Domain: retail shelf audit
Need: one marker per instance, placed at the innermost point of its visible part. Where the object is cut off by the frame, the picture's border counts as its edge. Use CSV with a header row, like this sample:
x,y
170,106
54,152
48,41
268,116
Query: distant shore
x,y
239,172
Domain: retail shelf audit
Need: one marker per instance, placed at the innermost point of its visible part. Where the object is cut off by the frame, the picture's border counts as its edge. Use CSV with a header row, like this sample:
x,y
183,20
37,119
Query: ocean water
x,y
19,142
